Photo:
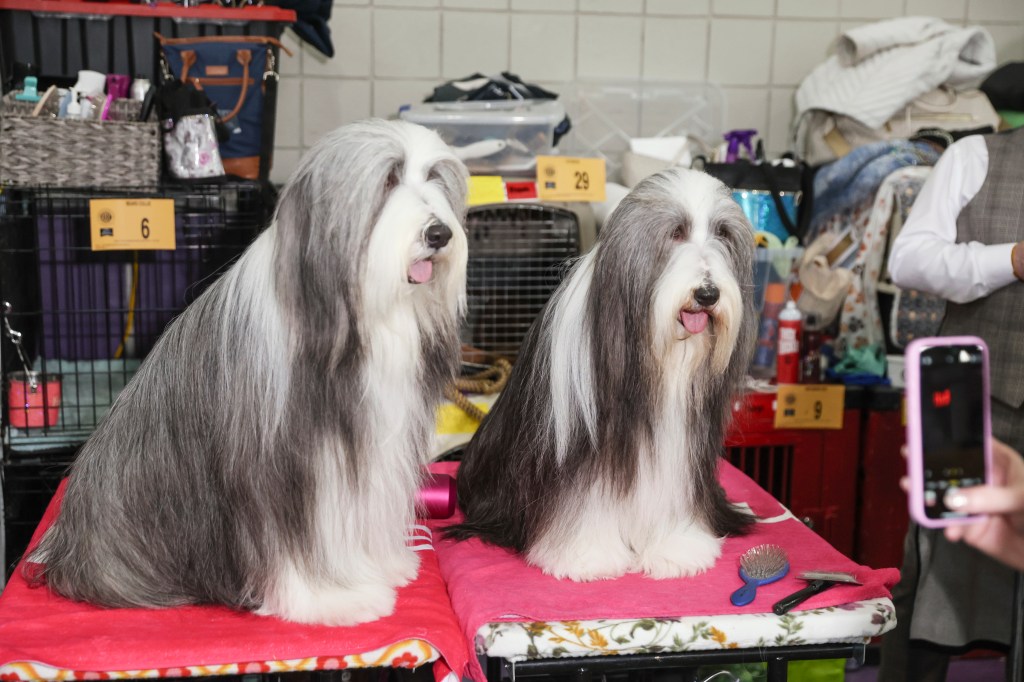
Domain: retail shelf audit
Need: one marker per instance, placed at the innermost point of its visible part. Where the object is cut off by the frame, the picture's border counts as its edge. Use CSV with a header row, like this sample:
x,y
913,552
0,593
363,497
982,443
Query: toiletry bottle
x,y
737,139
140,86
788,357
764,352
810,358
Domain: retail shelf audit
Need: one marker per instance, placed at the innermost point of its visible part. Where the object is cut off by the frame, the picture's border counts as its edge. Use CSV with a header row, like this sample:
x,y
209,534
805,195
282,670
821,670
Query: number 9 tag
x,y
567,178
810,406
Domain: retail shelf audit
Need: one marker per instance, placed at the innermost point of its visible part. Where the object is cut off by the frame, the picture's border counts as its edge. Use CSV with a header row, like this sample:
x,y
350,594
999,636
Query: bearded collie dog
x,y
600,456
267,454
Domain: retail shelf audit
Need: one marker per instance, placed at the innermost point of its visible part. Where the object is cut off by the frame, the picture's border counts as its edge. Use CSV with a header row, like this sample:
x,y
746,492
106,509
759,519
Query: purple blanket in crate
x,y
85,294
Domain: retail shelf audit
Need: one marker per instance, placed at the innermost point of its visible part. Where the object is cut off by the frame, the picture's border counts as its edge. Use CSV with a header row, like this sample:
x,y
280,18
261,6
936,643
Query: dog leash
x,y
490,380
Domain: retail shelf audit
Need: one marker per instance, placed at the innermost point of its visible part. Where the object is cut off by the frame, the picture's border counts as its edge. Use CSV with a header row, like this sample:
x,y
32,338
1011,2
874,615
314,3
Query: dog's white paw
x,y
335,605
686,551
583,560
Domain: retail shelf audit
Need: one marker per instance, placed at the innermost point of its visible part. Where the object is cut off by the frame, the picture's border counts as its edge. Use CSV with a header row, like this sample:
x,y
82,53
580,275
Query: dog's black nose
x,y
706,295
437,235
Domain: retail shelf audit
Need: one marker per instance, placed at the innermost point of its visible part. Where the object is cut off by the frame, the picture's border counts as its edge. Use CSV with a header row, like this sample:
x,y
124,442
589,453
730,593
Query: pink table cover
x,y
39,626
489,584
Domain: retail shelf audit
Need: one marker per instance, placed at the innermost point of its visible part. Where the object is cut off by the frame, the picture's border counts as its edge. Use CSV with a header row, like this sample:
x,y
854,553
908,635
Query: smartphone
x,y
948,424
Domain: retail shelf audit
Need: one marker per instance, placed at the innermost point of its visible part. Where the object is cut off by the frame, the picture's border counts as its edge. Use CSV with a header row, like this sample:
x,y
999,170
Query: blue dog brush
x,y
759,565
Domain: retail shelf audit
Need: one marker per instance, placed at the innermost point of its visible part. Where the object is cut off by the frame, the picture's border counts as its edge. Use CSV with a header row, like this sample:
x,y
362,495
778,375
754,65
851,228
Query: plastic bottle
x,y
810,362
788,356
140,86
764,353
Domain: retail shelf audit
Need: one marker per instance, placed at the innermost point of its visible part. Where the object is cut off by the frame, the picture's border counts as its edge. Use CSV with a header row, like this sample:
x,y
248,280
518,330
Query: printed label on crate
x,y
809,406
485,189
132,224
567,178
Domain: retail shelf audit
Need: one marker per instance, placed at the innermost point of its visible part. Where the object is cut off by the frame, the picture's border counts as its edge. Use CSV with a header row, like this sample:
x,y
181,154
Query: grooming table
x,y
532,624
47,637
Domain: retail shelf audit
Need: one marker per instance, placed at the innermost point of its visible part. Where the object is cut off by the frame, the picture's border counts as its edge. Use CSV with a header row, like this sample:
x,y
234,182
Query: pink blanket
x,y
38,626
488,584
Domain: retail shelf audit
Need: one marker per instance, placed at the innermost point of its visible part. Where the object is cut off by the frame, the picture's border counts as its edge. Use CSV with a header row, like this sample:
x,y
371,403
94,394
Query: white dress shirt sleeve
x,y
926,255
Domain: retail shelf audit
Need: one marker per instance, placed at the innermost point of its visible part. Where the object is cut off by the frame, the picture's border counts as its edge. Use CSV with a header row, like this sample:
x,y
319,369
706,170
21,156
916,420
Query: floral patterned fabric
x,y
519,641
860,323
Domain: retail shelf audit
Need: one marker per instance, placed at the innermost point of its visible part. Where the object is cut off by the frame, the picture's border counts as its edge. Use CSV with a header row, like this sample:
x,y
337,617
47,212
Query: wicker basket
x,y
45,150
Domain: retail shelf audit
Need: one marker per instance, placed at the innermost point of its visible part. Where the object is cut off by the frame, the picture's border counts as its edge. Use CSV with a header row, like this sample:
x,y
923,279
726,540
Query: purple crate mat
x,y
84,295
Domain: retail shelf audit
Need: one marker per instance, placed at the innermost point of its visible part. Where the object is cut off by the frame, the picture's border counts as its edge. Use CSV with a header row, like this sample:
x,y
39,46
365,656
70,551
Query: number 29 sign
x,y
567,178
132,224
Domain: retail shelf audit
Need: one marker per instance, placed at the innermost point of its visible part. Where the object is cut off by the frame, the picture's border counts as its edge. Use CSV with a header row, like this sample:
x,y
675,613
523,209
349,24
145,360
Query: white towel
x,y
880,68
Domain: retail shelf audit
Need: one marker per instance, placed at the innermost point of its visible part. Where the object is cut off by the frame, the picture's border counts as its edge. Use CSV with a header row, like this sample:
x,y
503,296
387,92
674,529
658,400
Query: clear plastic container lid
x,y
530,112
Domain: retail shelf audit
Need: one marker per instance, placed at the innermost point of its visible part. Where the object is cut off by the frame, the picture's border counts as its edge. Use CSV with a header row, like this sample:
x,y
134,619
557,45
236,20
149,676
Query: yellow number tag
x,y
131,224
565,178
810,406
486,189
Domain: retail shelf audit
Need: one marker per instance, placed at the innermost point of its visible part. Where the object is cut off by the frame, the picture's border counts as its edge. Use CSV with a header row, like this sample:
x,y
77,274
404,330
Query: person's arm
x,y
926,255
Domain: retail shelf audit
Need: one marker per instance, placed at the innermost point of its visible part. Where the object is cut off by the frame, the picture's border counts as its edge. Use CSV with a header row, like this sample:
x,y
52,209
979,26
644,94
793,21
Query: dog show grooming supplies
x,y
736,139
118,85
436,497
819,582
29,93
105,112
764,353
29,402
140,86
44,99
788,356
759,565
810,353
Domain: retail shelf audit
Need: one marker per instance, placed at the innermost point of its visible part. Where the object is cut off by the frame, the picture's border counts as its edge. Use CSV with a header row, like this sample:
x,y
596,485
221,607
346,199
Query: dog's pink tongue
x,y
420,271
694,322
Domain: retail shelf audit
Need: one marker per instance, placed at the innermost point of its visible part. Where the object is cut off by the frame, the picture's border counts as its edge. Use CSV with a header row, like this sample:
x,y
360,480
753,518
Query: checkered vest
x,y
996,216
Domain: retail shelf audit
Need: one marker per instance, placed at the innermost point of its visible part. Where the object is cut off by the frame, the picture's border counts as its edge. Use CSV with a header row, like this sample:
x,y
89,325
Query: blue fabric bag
x,y
239,75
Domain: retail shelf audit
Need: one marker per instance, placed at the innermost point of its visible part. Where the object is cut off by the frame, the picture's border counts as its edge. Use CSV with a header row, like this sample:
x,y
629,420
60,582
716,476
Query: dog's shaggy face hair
x,y
600,457
267,454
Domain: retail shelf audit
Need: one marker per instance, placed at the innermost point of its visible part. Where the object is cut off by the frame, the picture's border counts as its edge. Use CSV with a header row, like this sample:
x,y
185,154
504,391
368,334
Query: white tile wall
x,y
799,47
474,41
543,44
609,47
950,10
740,51
406,43
393,52
675,49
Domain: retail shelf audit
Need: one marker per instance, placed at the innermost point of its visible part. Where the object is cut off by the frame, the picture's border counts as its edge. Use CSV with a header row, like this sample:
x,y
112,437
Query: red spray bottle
x,y
788,356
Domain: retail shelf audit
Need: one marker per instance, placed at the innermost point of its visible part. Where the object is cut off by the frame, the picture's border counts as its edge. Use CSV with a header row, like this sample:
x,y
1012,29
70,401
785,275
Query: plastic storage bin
x,y
493,137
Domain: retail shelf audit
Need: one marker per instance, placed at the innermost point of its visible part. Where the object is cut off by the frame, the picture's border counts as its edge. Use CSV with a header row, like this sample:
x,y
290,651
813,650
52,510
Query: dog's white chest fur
x,y
615,414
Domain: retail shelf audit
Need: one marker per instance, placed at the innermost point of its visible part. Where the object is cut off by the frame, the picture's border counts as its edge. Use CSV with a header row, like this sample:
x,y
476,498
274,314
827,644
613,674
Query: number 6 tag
x,y
132,224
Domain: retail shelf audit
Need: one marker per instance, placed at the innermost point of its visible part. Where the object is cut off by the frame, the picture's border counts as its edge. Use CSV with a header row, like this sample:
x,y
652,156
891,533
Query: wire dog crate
x,y
86,318
518,254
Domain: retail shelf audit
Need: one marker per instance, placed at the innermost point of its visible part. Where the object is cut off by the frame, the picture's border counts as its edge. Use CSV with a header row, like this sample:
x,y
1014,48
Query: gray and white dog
x,y
600,456
268,452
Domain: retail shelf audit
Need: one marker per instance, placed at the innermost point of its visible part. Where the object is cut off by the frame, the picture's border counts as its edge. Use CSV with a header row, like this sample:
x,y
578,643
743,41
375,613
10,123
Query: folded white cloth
x,y
879,68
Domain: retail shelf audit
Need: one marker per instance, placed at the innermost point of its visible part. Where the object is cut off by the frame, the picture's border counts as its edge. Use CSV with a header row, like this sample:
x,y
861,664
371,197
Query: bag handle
x,y
266,40
188,58
244,57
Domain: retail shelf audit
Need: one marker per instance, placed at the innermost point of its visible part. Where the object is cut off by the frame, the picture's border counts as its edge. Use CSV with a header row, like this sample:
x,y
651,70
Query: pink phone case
x,y
915,454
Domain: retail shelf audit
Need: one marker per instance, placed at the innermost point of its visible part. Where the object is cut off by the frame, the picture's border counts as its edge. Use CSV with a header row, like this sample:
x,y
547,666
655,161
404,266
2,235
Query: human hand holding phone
x,y
1001,533
948,426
